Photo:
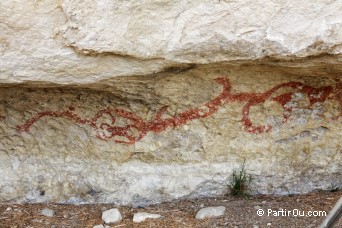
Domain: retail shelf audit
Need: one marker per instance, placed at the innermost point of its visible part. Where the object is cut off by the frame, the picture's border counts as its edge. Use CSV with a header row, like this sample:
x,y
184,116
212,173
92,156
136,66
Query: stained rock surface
x,y
138,103
170,135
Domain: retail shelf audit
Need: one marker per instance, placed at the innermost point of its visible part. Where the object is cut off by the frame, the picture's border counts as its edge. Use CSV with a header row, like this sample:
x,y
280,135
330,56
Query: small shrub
x,y
333,188
240,182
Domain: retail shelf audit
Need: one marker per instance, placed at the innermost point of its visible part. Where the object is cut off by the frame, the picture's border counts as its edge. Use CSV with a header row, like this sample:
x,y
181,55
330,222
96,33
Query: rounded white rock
x,y
48,212
111,216
208,212
98,226
142,216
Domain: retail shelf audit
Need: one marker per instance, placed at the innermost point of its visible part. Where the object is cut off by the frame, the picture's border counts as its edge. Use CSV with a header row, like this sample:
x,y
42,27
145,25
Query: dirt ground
x,y
240,212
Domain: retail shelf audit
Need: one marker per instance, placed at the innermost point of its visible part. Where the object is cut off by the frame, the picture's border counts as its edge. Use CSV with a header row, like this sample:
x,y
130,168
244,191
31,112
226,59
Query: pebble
x,y
269,224
48,212
257,207
111,216
208,212
141,216
36,220
101,226
98,226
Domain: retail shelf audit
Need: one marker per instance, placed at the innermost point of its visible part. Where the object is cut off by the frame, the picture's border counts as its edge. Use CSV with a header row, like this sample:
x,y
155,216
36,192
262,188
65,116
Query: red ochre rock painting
x,y
136,128
338,95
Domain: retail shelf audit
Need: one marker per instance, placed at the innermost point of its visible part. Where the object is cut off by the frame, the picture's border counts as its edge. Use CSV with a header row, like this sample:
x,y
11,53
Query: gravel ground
x,y
240,212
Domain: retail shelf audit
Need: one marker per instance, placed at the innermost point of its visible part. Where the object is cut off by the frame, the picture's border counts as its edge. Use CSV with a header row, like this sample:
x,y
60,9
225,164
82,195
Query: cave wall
x,y
138,103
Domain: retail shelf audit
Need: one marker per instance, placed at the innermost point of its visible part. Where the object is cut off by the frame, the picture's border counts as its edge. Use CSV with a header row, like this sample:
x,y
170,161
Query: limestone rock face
x,y
206,31
169,136
142,102
86,41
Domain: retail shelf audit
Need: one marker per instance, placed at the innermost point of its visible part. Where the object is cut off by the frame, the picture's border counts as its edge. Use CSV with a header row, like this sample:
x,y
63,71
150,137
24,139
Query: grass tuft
x,y
240,182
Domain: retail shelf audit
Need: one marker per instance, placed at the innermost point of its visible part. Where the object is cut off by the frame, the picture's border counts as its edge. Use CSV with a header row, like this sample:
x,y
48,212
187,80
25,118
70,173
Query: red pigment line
x,y
66,114
314,94
338,96
136,128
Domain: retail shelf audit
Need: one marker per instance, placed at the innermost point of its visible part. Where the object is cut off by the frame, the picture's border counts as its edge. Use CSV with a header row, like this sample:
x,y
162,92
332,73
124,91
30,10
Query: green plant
x,y
333,188
240,182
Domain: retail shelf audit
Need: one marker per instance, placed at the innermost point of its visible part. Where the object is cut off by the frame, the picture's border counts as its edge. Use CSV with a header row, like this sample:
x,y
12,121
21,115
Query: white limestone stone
x,y
48,212
111,216
142,216
98,226
209,212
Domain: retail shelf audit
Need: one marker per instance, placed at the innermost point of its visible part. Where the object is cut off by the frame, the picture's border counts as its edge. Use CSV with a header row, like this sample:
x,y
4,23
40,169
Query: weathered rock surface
x,y
80,42
171,136
145,102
